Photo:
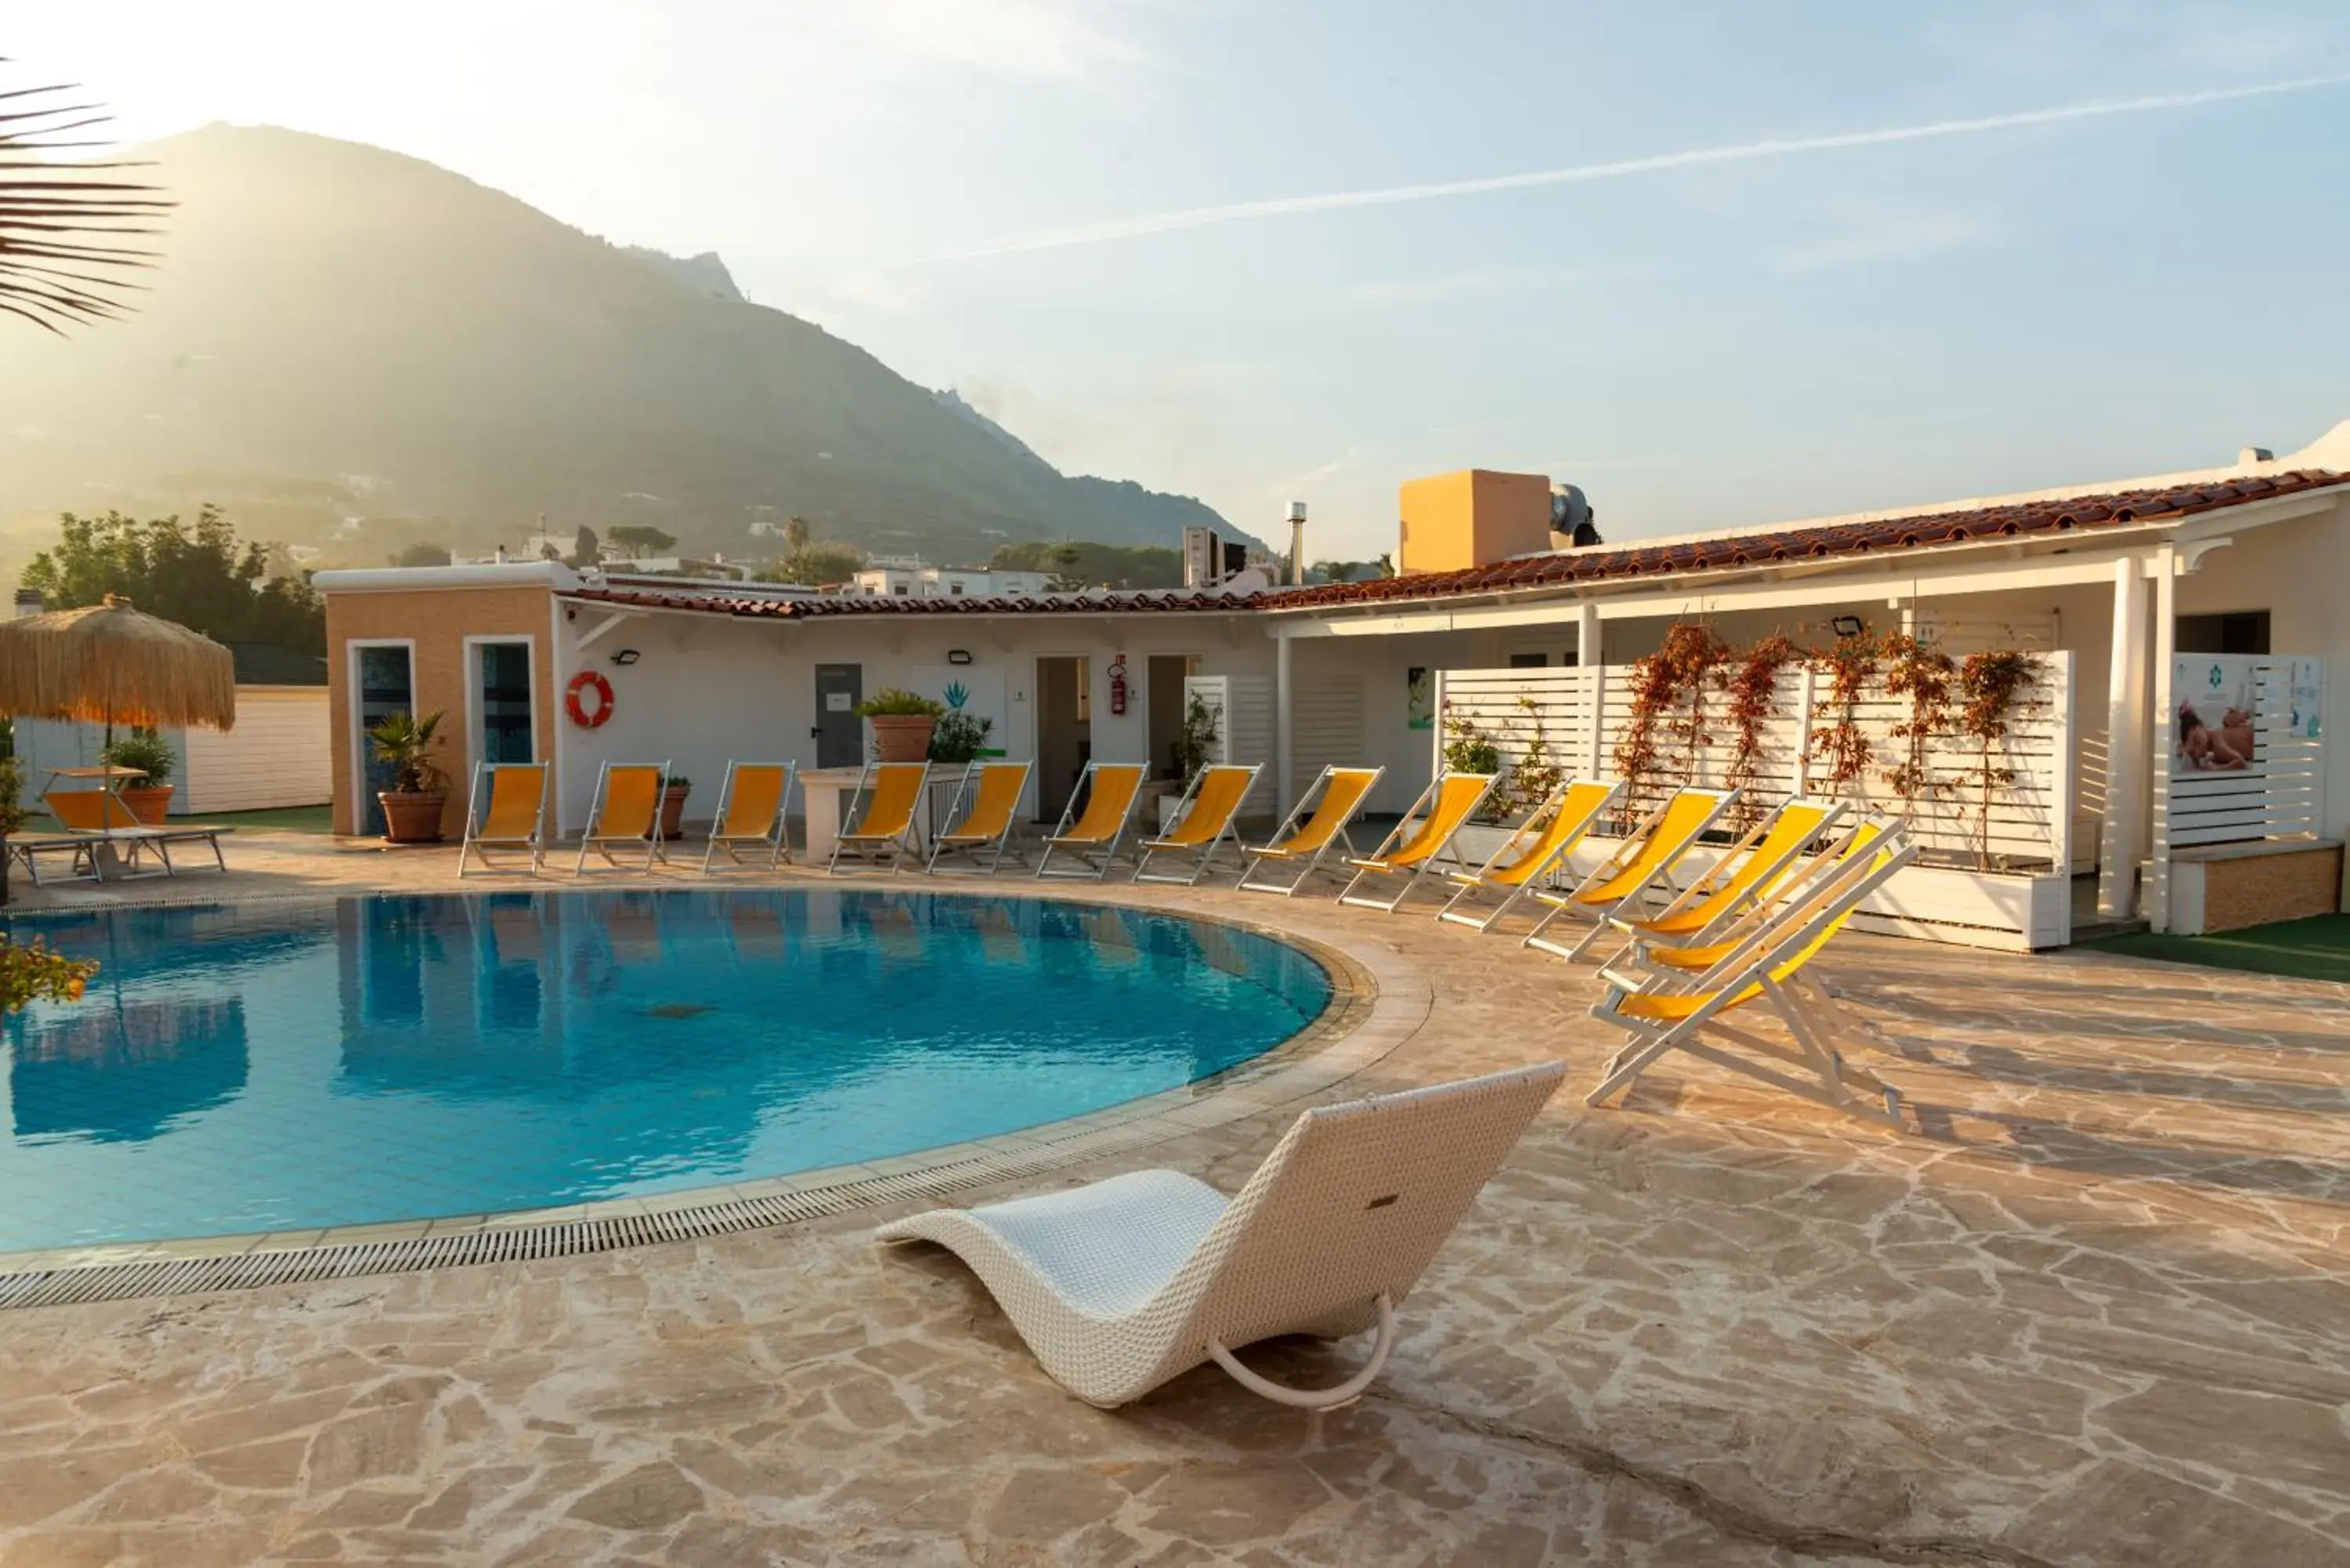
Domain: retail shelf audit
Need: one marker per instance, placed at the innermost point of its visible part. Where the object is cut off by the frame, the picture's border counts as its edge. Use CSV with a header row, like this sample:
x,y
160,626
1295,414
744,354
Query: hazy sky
x,y
1767,261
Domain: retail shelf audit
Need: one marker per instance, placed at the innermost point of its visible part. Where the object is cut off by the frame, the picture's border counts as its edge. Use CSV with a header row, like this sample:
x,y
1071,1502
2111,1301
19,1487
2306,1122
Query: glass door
x,y
502,698
386,685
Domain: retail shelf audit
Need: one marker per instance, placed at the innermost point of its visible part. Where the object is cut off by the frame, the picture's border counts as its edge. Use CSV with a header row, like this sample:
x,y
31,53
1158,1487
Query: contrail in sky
x,y
1697,158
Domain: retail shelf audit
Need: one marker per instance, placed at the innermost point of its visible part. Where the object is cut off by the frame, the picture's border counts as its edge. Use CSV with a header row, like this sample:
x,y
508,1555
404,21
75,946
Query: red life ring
x,y
584,681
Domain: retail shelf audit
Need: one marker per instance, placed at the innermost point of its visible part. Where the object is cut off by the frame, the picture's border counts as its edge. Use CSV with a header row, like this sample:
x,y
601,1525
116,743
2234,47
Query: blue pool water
x,y
292,1066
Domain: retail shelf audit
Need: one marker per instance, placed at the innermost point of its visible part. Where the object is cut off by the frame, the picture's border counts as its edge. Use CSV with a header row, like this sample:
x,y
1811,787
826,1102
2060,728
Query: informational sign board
x,y
2215,727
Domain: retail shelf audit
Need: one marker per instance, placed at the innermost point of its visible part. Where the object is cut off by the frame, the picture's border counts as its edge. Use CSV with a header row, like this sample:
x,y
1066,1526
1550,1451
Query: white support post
x,y
1594,698
1284,722
2060,827
1587,653
1436,737
2126,747
2153,748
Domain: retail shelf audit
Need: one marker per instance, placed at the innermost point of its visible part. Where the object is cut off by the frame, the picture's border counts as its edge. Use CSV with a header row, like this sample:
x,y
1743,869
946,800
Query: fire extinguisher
x,y
1118,683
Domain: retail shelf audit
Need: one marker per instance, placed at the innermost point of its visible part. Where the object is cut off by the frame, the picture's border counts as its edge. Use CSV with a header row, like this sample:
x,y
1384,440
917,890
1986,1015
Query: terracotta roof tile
x,y
814,607
1819,541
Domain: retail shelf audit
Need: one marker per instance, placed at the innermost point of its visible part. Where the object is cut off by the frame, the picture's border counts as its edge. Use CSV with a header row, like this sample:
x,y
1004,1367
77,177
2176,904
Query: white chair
x,y
1122,1284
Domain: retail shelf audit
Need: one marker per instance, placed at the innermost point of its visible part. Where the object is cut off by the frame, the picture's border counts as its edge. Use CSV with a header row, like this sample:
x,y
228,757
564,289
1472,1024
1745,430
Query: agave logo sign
x,y
956,694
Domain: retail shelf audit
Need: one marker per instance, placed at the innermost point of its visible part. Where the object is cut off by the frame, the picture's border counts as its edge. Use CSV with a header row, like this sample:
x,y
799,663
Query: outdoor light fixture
x,y
958,655
627,656
1849,626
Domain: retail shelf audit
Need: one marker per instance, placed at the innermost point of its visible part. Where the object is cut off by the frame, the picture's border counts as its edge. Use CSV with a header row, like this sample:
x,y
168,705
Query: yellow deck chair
x,y
892,793
1110,789
1518,867
626,809
95,818
1755,867
1203,822
1625,879
1337,794
993,790
753,806
1414,845
512,818
1775,969
1682,964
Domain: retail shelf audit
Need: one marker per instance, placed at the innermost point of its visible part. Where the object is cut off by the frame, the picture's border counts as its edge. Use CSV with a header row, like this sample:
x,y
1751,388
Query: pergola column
x,y
2128,743
1284,716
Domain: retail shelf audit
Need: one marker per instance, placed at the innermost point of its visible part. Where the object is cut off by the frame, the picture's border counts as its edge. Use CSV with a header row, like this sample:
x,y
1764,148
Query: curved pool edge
x,y
1377,1001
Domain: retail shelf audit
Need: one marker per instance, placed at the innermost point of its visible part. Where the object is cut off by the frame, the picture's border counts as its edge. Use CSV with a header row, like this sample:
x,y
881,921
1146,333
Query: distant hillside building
x,y
912,580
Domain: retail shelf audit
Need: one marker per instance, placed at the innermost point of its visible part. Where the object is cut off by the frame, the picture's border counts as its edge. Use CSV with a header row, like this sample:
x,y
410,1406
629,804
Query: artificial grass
x,y
2315,948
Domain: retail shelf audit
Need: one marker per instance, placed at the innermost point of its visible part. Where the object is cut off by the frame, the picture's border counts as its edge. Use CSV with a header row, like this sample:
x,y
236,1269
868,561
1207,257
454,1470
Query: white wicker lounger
x,y
1121,1284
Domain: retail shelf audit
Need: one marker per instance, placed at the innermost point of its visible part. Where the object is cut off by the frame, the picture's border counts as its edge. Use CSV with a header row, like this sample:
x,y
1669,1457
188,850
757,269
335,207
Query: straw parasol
x,y
115,664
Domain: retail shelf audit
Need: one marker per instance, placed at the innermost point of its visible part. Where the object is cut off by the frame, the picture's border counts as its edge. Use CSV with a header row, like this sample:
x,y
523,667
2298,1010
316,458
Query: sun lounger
x,y
892,793
1122,1284
1337,794
626,810
514,816
995,791
1629,877
754,806
98,822
1414,845
1203,822
1755,867
1771,966
1110,789
1517,868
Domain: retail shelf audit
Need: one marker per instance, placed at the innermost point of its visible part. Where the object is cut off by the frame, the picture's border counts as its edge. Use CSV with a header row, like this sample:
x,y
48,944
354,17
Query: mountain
x,y
353,349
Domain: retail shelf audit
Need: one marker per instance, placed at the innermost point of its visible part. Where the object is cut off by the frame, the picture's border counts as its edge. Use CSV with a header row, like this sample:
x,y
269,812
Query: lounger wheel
x,y
1346,1393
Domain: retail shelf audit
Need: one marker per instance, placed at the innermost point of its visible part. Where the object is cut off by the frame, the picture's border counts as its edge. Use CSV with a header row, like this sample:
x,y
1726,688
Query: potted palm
x,y
902,722
1194,749
148,751
675,788
412,806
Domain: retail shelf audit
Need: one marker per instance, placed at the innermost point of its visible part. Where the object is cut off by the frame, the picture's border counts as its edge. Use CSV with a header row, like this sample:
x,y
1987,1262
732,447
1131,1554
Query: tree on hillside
x,y
421,556
63,223
1118,566
1069,575
638,540
815,564
796,533
585,550
203,577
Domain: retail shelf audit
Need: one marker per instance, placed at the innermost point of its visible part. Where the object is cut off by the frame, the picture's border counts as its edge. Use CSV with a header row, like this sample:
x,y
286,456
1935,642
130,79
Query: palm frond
x,y
70,230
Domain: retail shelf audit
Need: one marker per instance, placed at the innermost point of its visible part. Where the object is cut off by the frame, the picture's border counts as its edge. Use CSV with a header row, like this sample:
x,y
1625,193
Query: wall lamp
x,y
958,655
1847,626
627,656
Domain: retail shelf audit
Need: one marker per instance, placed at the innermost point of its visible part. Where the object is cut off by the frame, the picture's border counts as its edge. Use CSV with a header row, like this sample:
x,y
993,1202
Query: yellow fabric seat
x,y
1629,876
754,811
626,810
1204,823
1426,833
514,818
1518,867
1110,789
1338,794
892,793
994,813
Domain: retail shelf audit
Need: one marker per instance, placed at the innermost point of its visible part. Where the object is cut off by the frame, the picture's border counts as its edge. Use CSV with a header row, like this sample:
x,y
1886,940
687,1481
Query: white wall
x,y
707,688
276,755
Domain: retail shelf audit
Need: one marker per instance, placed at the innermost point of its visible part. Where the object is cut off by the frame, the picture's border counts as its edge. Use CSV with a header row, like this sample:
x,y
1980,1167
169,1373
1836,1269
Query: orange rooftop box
x,y
1471,518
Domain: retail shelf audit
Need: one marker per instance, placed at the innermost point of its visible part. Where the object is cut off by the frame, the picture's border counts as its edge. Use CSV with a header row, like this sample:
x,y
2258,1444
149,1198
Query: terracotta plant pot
x,y
148,802
672,810
412,818
902,737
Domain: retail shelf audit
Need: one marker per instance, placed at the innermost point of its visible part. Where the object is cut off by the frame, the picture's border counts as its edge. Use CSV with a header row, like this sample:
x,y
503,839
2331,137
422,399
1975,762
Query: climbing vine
x,y
1989,684
1536,773
1754,702
1669,689
1850,664
1468,750
1923,673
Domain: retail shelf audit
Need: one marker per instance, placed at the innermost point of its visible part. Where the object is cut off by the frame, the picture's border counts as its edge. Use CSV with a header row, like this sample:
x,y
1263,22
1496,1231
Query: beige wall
x,y
436,622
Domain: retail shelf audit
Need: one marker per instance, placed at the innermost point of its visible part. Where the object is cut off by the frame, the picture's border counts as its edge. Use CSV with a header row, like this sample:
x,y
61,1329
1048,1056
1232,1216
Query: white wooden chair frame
x,y
473,845
777,838
1298,817
1203,855
868,848
1094,870
602,843
1815,1019
1402,833
973,775
1474,886
1564,905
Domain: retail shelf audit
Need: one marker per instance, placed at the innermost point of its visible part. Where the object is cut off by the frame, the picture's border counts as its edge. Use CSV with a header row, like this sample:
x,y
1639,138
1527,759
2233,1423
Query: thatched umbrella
x,y
114,664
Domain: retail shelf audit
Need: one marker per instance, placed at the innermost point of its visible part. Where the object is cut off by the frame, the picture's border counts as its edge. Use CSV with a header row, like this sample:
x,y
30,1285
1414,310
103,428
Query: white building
x,y
912,580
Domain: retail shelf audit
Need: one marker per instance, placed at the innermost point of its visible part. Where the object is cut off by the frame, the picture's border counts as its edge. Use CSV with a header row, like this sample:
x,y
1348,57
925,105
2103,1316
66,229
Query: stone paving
x,y
2095,1312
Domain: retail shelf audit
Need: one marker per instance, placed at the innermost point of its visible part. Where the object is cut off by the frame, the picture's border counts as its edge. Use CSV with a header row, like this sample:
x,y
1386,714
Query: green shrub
x,y
145,750
896,702
960,737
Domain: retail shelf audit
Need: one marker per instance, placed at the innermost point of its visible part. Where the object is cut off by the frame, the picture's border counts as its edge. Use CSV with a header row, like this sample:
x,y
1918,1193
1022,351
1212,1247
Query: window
x,y
1530,661
502,698
2239,631
902,589
955,589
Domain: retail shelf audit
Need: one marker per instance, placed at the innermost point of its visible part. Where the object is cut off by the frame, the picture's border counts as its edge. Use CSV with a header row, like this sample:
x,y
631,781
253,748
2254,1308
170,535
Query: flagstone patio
x,y
2097,1312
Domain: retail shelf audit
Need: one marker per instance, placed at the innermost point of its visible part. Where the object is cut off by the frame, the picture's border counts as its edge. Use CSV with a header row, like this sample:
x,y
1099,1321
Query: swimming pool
x,y
299,1064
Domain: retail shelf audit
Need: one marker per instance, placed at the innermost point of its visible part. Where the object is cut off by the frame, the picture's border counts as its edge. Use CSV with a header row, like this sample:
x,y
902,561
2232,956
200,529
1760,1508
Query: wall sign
x,y
837,702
